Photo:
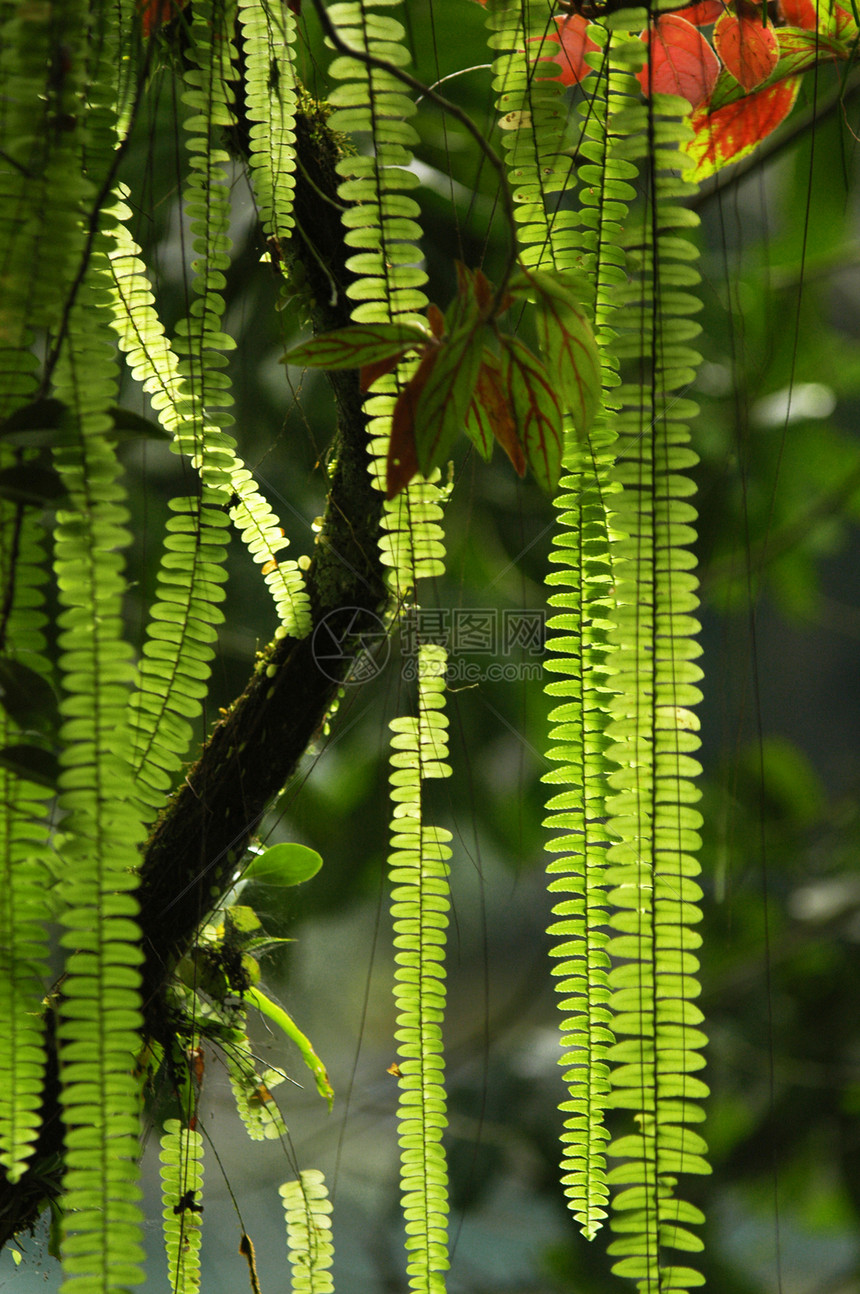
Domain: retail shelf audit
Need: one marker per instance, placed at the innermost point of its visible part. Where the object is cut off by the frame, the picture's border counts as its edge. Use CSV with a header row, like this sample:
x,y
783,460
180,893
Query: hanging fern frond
x,y
268,33
28,705
308,1213
179,650
420,905
155,365
181,1192
652,871
382,222
99,1009
563,239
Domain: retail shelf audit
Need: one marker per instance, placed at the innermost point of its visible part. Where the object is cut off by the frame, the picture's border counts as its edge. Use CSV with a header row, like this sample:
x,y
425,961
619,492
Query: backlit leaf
x,y
492,399
748,47
702,14
358,346
798,50
681,61
531,395
567,342
798,13
285,864
732,132
574,43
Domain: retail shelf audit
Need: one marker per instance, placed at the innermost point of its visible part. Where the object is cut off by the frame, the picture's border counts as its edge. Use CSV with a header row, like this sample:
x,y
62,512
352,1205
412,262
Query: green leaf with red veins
x,y
531,395
490,415
566,341
358,346
440,413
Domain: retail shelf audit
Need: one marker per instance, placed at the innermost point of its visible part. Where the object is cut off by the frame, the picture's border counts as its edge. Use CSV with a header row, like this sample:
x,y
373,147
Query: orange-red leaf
x,y
748,48
574,43
702,14
681,61
732,132
799,13
402,455
436,320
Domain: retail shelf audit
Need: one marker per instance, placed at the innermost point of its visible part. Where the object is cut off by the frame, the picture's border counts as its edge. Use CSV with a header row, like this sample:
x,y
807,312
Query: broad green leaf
x,y
441,408
531,395
358,346
242,919
286,864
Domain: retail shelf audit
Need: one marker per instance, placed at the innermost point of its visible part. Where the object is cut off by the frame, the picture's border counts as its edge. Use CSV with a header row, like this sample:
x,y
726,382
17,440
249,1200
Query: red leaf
x,y
702,14
798,13
748,49
436,320
572,36
734,131
681,61
402,455
492,397
156,13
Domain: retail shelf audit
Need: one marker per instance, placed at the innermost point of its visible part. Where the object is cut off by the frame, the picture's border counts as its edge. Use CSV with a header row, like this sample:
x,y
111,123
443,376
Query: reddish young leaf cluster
x,y
740,85
157,13
473,377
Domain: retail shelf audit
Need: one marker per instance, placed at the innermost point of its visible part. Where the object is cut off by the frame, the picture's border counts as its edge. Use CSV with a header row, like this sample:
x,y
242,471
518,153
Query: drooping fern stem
x,y
420,905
